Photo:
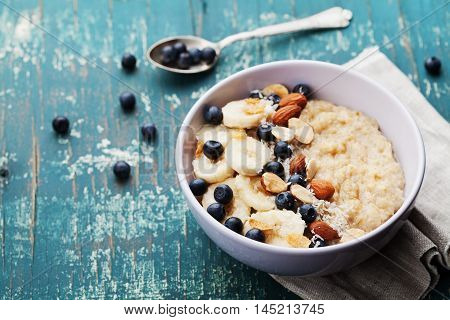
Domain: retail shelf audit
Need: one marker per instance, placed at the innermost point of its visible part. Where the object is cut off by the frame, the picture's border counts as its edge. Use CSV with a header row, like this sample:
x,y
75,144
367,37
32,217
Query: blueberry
x,y
122,170
256,94
212,149
149,132
198,187
234,224
127,101
274,167
128,61
298,178
303,89
317,243
285,200
217,211
308,213
282,150
433,65
61,124
223,194
256,234
264,132
179,47
196,55
184,60
4,173
168,54
213,115
208,55
274,98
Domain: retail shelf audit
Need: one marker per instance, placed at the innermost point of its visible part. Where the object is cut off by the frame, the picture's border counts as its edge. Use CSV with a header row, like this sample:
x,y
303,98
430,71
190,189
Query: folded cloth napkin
x,y
408,267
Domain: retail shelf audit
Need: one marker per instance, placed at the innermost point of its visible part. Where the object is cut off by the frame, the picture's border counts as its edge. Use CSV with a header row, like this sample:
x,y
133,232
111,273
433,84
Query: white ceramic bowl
x,y
347,88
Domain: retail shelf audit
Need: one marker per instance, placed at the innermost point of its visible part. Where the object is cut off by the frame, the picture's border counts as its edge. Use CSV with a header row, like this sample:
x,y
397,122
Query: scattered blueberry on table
x,y
149,132
308,213
223,194
128,62
4,173
61,124
198,187
234,224
433,65
122,170
127,101
217,211
256,234
213,115
212,149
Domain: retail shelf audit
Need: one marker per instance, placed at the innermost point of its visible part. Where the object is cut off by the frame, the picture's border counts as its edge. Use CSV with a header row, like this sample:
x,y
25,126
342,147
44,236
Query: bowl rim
x,y
240,239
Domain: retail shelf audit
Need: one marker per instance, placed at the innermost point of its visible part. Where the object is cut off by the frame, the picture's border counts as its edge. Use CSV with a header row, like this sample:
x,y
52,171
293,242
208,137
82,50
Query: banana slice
x,y
211,172
237,208
247,155
253,194
281,227
277,89
245,114
216,133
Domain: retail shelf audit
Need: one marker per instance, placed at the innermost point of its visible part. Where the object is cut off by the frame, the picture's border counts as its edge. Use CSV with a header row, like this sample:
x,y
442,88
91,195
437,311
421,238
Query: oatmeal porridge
x,y
288,171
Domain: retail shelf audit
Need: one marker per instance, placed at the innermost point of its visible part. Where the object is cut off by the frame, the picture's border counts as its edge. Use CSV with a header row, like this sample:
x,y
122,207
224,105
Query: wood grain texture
x,y
67,229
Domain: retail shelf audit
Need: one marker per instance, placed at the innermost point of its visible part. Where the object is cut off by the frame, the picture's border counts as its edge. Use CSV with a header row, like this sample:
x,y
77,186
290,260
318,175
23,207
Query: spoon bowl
x,y
332,18
155,56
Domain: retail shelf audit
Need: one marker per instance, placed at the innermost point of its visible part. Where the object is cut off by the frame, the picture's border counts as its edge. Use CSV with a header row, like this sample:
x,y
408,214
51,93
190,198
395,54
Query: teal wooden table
x,y
68,230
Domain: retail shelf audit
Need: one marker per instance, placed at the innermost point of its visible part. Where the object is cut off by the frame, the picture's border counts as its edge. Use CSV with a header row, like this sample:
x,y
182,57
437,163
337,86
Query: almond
x,y
304,132
277,89
282,116
323,230
293,98
273,183
283,133
311,169
297,164
322,189
302,194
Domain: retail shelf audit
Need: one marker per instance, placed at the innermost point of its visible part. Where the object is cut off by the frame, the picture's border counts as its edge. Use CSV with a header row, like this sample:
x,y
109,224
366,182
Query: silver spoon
x,y
335,17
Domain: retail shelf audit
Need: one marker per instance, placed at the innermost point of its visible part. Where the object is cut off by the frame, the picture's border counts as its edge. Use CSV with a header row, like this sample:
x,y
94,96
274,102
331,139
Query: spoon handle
x,y
335,17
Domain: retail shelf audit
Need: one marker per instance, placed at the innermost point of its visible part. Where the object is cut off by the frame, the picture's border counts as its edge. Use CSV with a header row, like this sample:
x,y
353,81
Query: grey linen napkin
x,y
423,244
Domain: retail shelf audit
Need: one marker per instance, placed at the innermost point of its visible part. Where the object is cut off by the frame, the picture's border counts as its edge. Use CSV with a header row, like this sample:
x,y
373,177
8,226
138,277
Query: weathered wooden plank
x,y
68,230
